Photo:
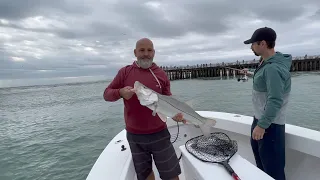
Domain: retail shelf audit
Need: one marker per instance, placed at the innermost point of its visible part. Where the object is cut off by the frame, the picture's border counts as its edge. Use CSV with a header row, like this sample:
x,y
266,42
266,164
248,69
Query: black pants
x,y
269,152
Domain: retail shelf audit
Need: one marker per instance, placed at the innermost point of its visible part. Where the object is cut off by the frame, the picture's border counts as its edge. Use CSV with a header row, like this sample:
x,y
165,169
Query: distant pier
x,y
305,63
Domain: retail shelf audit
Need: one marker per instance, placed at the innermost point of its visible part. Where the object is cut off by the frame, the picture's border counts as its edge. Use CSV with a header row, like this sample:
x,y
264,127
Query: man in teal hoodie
x,y
270,95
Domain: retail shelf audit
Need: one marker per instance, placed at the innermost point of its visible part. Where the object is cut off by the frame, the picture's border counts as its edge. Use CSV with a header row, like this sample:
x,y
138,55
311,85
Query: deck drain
x,y
123,148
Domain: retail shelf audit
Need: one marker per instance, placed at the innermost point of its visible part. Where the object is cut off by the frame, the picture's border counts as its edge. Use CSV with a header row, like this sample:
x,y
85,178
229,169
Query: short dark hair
x,y
270,44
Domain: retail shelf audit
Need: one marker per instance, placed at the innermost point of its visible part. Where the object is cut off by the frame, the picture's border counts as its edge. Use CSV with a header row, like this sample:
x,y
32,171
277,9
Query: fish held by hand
x,y
168,106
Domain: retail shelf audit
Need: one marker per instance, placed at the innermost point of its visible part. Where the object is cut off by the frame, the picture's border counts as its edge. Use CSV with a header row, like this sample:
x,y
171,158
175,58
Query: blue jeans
x,y
269,152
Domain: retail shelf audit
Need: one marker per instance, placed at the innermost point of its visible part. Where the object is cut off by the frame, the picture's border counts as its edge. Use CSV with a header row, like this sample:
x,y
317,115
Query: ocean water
x,y
58,131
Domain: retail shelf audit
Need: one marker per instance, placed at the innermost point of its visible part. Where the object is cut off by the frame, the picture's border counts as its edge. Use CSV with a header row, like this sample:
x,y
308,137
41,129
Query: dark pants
x,y
160,147
269,152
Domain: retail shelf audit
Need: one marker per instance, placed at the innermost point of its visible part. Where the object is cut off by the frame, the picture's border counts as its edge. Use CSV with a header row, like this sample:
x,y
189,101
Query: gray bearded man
x,y
148,136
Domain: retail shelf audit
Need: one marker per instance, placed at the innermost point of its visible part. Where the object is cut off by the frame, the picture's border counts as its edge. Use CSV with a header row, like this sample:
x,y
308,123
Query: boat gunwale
x,y
297,137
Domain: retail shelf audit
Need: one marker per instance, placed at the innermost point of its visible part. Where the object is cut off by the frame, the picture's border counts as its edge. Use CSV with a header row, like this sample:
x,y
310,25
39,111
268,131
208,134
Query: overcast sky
x,y
70,38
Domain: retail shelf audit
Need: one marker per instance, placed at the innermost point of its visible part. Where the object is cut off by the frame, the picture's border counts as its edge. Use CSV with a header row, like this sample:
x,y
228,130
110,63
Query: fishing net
x,y
217,147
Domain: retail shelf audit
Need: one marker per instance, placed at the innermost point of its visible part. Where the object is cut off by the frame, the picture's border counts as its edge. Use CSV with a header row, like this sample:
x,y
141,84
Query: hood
x,y
284,60
154,66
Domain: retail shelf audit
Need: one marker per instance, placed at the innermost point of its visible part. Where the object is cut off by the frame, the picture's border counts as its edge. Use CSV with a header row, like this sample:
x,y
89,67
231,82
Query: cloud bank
x,y
69,38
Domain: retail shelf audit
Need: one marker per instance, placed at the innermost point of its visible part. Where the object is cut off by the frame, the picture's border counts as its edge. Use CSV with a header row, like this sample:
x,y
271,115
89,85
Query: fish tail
x,y
206,127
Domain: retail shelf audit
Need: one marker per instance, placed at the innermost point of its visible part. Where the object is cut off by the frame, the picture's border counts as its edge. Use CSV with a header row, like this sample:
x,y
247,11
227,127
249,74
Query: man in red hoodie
x,y
146,134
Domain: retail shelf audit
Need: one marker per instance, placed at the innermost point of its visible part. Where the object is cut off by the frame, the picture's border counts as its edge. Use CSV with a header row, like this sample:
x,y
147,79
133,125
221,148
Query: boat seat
x,y
199,170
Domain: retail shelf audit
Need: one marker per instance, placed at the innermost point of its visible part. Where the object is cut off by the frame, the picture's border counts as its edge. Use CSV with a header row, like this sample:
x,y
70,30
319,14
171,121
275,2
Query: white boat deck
x,y
242,167
194,168
302,153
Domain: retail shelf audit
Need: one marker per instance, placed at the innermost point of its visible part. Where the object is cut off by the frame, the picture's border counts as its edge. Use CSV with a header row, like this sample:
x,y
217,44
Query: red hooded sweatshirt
x,y
138,118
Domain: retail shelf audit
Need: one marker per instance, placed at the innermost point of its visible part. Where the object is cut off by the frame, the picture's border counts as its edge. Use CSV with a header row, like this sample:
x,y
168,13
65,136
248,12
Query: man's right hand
x,y
244,71
126,92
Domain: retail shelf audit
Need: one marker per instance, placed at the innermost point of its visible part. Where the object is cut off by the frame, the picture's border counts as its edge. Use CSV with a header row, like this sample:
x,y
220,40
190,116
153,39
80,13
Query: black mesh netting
x,y
217,147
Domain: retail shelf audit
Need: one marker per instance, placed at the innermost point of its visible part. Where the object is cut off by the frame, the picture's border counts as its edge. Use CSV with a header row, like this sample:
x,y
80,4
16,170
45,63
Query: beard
x,y
255,53
144,63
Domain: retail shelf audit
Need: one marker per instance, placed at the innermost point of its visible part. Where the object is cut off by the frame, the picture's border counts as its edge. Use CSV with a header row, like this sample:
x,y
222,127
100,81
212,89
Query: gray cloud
x,y
92,37
316,15
20,9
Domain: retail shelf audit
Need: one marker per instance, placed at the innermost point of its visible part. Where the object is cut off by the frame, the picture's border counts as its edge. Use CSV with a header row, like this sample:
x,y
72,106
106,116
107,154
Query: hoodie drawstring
x,y
155,77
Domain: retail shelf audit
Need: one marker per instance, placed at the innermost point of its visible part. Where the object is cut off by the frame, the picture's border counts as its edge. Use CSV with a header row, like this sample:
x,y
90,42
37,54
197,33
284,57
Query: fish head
x,y
145,95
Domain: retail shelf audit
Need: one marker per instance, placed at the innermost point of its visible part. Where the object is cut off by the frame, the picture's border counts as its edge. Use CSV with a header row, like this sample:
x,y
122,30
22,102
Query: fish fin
x,y
190,103
162,117
206,127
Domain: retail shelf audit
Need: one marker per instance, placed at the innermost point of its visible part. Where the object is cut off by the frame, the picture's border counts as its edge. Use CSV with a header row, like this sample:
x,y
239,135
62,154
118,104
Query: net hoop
x,y
215,148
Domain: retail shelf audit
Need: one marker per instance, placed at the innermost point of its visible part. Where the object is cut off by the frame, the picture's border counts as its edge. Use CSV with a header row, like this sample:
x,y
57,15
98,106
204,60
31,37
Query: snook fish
x,y
167,106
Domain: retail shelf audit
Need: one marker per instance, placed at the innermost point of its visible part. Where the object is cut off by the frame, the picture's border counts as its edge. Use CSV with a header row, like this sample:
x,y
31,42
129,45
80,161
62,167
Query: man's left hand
x,y
258,133
179,118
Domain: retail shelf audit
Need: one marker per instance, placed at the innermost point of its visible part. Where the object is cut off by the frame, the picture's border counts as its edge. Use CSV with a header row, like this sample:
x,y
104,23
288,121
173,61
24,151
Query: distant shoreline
x,y
55,85
56,81
109,79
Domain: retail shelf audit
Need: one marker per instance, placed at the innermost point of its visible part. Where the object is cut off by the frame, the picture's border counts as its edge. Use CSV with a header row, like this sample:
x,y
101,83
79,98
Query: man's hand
x,y
126,92
179,118
244,71
258,133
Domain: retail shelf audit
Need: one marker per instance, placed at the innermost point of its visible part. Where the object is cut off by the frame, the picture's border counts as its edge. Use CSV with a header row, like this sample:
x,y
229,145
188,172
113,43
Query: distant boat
x,y
244,78
302,153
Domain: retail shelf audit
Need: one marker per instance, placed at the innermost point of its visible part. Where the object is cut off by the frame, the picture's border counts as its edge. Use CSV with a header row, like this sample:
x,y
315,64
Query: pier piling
x,y
305,63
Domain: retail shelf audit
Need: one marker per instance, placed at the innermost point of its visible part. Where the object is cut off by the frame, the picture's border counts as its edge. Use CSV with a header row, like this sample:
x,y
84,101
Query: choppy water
x,y
57,132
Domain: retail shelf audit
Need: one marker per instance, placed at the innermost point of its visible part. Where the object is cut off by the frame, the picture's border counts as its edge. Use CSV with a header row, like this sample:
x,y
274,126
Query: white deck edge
x,y
297,138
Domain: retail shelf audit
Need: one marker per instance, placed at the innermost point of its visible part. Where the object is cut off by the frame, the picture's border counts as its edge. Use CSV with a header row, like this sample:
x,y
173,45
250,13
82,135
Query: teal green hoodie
x,y
271,89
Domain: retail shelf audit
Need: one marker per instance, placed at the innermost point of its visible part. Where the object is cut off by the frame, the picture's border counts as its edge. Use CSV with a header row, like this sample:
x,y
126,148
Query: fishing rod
x,y
245,77
239,70
233,68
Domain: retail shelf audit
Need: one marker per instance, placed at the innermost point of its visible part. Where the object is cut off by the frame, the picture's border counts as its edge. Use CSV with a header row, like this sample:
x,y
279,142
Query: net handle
x,y
230,170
